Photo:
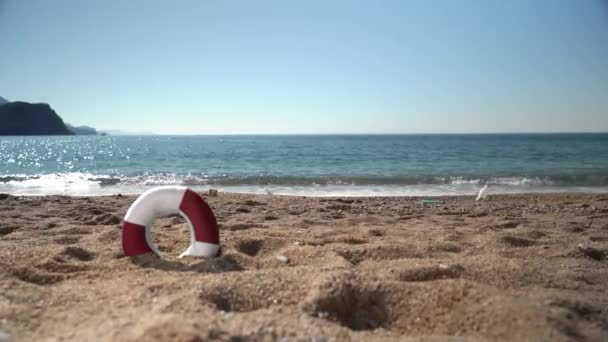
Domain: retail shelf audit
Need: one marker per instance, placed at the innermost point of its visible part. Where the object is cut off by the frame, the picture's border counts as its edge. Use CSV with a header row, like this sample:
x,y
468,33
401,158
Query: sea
x,y
309,165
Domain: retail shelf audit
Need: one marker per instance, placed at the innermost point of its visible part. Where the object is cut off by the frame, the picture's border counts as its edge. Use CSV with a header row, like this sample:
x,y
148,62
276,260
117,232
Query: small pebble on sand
x,y
282,258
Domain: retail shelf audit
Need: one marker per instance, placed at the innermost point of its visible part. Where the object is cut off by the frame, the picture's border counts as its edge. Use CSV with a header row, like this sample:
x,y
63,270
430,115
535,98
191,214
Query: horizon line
x,y
350,133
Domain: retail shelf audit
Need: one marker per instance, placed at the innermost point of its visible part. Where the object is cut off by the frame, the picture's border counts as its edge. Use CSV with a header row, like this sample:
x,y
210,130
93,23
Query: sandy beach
x,y
513,267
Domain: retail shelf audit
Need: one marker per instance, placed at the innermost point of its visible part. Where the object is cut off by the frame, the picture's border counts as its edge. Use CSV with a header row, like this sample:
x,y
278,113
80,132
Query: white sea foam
x,y
86,184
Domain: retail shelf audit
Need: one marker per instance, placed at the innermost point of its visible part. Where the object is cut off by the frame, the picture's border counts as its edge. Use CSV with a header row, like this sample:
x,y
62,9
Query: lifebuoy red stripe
x,y
201,216
134,239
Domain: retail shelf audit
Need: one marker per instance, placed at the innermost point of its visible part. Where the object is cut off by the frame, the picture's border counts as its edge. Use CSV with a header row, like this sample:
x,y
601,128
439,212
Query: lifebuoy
x,y
166,200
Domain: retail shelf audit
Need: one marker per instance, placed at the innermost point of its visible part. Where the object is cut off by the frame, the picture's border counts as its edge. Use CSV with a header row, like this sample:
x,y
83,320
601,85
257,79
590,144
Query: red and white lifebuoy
x,y
166,200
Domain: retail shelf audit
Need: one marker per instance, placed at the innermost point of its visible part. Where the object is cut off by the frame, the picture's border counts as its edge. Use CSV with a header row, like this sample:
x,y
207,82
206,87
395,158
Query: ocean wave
x,y
80,179
523,181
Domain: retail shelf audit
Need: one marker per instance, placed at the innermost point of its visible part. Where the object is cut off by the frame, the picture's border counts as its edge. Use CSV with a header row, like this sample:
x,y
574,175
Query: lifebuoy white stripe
x,y
154,203
201,249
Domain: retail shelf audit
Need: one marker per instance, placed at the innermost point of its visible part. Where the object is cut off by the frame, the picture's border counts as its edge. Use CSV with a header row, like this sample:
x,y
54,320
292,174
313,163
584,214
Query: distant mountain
x,y
22,118
82,130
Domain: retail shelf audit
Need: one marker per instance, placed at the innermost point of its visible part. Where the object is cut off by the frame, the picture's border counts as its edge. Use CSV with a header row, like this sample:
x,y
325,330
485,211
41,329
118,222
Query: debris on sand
x,y
483,193
283,259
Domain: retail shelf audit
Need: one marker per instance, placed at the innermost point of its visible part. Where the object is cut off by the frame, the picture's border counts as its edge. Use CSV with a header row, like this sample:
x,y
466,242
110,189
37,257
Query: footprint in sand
x,y
103,220
508,225
241,226
110,236
236,298
5,230
597,238
577,228
307,223
592,252
59,265
75,231
375,232
535,234
337,207
56,269
582,309
252,203
515,241
336,216
477,214
345,239
94,211
446,246
35,276
457,236
78,253
249,246
349,301
432,273
356,254
51,225
67,240
270,218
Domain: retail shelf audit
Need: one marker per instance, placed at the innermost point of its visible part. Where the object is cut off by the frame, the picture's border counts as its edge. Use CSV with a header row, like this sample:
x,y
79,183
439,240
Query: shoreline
x,y
512,267
314,192
221,193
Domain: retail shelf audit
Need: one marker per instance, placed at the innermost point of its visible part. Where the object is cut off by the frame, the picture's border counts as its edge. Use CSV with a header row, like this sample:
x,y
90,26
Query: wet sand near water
x,y
512,268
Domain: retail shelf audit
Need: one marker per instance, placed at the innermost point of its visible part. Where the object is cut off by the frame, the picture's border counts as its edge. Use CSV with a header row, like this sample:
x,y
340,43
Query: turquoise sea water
x,y
320,165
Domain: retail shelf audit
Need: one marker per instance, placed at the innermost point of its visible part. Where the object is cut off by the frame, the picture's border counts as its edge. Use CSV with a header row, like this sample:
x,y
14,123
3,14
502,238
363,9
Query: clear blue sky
x,y
311,66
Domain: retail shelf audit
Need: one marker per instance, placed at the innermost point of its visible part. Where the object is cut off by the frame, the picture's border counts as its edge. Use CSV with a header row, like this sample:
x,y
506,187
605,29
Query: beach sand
x,y
513,267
